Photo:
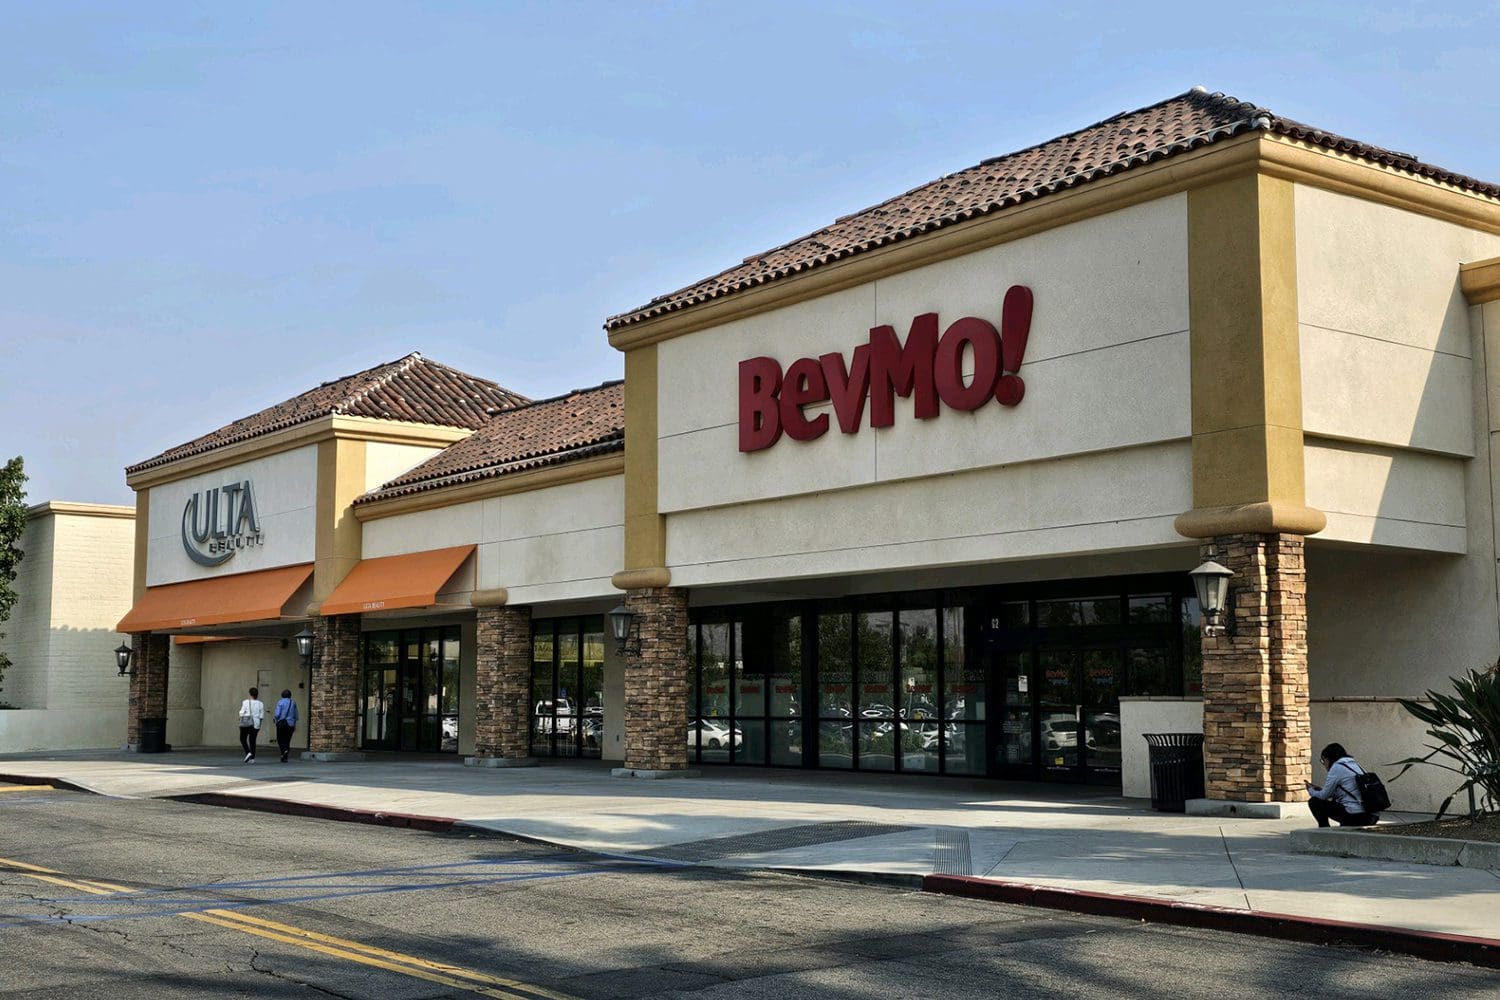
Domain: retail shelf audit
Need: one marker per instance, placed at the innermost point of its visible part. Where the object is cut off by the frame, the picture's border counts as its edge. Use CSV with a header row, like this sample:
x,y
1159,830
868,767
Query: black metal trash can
x,y
153,736
1176,769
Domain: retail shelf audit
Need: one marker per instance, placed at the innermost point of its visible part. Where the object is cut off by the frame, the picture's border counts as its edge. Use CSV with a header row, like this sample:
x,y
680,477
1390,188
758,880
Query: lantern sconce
x,y
1215,598
123,655
620,620
305,646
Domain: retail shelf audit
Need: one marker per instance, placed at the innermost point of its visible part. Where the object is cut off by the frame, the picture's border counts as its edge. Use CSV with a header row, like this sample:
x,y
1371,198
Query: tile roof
x,y
412,389
580,424
1131,139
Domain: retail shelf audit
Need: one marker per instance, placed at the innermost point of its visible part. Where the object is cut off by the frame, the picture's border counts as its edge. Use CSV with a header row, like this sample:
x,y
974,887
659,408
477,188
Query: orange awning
x,y
224,600
409,581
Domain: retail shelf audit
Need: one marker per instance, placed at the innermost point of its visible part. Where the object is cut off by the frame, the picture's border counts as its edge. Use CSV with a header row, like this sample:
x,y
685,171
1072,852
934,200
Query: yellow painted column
x,y
645,528
341,478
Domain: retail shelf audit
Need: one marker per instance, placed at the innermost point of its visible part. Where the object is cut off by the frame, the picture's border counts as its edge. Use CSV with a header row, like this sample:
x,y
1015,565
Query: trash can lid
x,y
1173,739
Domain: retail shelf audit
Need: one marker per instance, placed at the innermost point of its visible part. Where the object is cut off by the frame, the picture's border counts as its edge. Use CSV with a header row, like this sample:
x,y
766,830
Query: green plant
x,y
1466,729
12,523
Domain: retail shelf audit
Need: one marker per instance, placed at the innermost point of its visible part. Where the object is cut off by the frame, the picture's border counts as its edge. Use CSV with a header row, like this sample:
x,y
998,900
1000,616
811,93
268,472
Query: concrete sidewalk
x,y
1068,837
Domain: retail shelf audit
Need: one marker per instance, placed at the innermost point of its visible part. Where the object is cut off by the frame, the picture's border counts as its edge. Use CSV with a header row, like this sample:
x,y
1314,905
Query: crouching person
x,y
1337,798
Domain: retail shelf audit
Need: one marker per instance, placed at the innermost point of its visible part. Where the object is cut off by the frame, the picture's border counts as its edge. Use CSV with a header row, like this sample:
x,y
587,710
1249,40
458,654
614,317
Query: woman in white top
x,y
252,711
1338,797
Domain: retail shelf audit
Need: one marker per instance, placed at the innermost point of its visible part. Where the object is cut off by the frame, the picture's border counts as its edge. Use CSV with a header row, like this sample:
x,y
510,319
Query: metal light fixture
x,y
123,655
1211,580
619,624
305,646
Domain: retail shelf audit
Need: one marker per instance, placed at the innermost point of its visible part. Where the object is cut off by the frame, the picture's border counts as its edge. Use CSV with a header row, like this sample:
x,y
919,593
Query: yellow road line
x,y
23,866
352,951
355,956
69,883
26,788
452,970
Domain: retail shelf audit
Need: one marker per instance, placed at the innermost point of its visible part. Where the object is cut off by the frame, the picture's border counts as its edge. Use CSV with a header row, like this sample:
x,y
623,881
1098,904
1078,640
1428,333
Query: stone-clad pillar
x,y
656,684
148,686
1257,733
333,694
502,688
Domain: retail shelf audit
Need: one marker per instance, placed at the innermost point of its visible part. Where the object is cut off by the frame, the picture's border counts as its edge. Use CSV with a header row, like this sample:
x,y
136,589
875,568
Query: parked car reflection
x,y
714,735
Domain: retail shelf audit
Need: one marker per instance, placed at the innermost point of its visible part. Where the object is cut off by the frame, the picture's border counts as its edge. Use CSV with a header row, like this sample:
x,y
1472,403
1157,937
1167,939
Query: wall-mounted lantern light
x,y
123,655
305,646
1212,583
619,624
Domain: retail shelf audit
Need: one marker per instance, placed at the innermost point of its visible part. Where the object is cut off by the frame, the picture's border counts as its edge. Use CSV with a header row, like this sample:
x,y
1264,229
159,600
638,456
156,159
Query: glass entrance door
x,y
409,699
1078,714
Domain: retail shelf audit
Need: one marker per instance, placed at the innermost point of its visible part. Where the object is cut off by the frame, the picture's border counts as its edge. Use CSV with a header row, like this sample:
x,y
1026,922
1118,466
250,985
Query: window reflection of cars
x,y
714,735
1060,733
565,721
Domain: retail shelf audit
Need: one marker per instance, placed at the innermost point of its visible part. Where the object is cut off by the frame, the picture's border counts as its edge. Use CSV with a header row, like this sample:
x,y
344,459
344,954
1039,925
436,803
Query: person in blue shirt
x,y
1338,797
286,722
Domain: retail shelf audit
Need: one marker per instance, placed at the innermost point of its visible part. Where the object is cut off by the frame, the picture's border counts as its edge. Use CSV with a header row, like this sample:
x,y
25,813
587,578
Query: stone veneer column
x,y
333,694
1257,732
502,688
148,686
656,684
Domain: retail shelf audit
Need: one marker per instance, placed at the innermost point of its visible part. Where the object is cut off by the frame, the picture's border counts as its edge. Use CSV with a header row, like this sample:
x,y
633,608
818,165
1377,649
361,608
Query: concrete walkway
x,y
1059,836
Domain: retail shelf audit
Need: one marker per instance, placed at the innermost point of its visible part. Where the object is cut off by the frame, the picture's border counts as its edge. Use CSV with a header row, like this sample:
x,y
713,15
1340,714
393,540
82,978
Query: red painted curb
x,y
340,814
1432,945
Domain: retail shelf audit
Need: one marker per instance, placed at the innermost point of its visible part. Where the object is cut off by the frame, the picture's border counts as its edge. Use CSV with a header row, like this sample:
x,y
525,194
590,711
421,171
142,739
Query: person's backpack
x,y
1372,793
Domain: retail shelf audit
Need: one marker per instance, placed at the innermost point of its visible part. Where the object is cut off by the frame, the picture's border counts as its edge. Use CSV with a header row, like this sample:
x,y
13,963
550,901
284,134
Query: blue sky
x,y
207,208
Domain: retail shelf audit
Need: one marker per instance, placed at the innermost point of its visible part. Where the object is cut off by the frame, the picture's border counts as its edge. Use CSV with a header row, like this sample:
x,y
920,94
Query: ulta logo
x,y
217,523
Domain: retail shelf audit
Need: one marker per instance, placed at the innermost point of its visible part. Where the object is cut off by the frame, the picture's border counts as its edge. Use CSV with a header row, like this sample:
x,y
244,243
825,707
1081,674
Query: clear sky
x,y
208,208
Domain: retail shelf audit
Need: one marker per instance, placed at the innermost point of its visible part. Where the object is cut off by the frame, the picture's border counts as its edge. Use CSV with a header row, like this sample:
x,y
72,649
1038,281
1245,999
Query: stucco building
x,y
72,586
917,492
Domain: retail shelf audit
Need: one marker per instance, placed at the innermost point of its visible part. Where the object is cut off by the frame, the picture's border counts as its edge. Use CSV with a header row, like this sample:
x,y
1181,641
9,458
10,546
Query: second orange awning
x,y
389,582
244,597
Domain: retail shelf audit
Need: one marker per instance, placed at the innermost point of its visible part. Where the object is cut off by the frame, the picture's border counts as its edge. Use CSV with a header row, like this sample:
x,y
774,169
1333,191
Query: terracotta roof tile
x,y
412,389
580,424
1127,140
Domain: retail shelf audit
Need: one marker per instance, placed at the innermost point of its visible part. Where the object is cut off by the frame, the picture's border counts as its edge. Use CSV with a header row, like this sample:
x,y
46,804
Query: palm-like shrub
x,y
1465,729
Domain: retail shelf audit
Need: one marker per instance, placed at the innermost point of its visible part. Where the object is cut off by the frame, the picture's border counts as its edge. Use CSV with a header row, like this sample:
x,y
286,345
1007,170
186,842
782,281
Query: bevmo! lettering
x,y
926,368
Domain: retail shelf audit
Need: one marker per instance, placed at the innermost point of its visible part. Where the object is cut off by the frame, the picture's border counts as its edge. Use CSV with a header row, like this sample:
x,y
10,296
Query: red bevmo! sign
x,y
927,368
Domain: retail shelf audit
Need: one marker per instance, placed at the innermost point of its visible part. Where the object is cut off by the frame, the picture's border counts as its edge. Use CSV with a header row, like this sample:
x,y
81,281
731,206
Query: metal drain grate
x,y
784,838
951,854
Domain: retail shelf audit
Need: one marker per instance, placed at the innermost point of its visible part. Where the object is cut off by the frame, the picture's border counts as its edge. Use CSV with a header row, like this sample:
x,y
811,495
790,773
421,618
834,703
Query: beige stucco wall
x,y
230,669
286,490
74,585
384,462
1395,367
558,543
1390,355
1094,458
28,631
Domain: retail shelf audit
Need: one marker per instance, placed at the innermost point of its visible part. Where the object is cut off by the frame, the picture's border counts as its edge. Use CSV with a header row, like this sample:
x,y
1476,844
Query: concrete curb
x,y
1431,945
1393,847
312,810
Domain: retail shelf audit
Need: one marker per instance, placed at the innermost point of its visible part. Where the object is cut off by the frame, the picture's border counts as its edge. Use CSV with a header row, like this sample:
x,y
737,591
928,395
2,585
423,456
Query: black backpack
x,y
1372,793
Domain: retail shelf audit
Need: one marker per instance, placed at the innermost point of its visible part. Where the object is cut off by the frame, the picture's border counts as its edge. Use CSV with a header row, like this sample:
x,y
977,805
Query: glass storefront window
x,y
543,682
1192,646
1078,611
1151,609
835,673
716,735
1150,672
591,689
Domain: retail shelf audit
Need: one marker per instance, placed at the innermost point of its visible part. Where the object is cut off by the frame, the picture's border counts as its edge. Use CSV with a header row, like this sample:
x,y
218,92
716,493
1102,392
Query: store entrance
x,y
409,698
1060,666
